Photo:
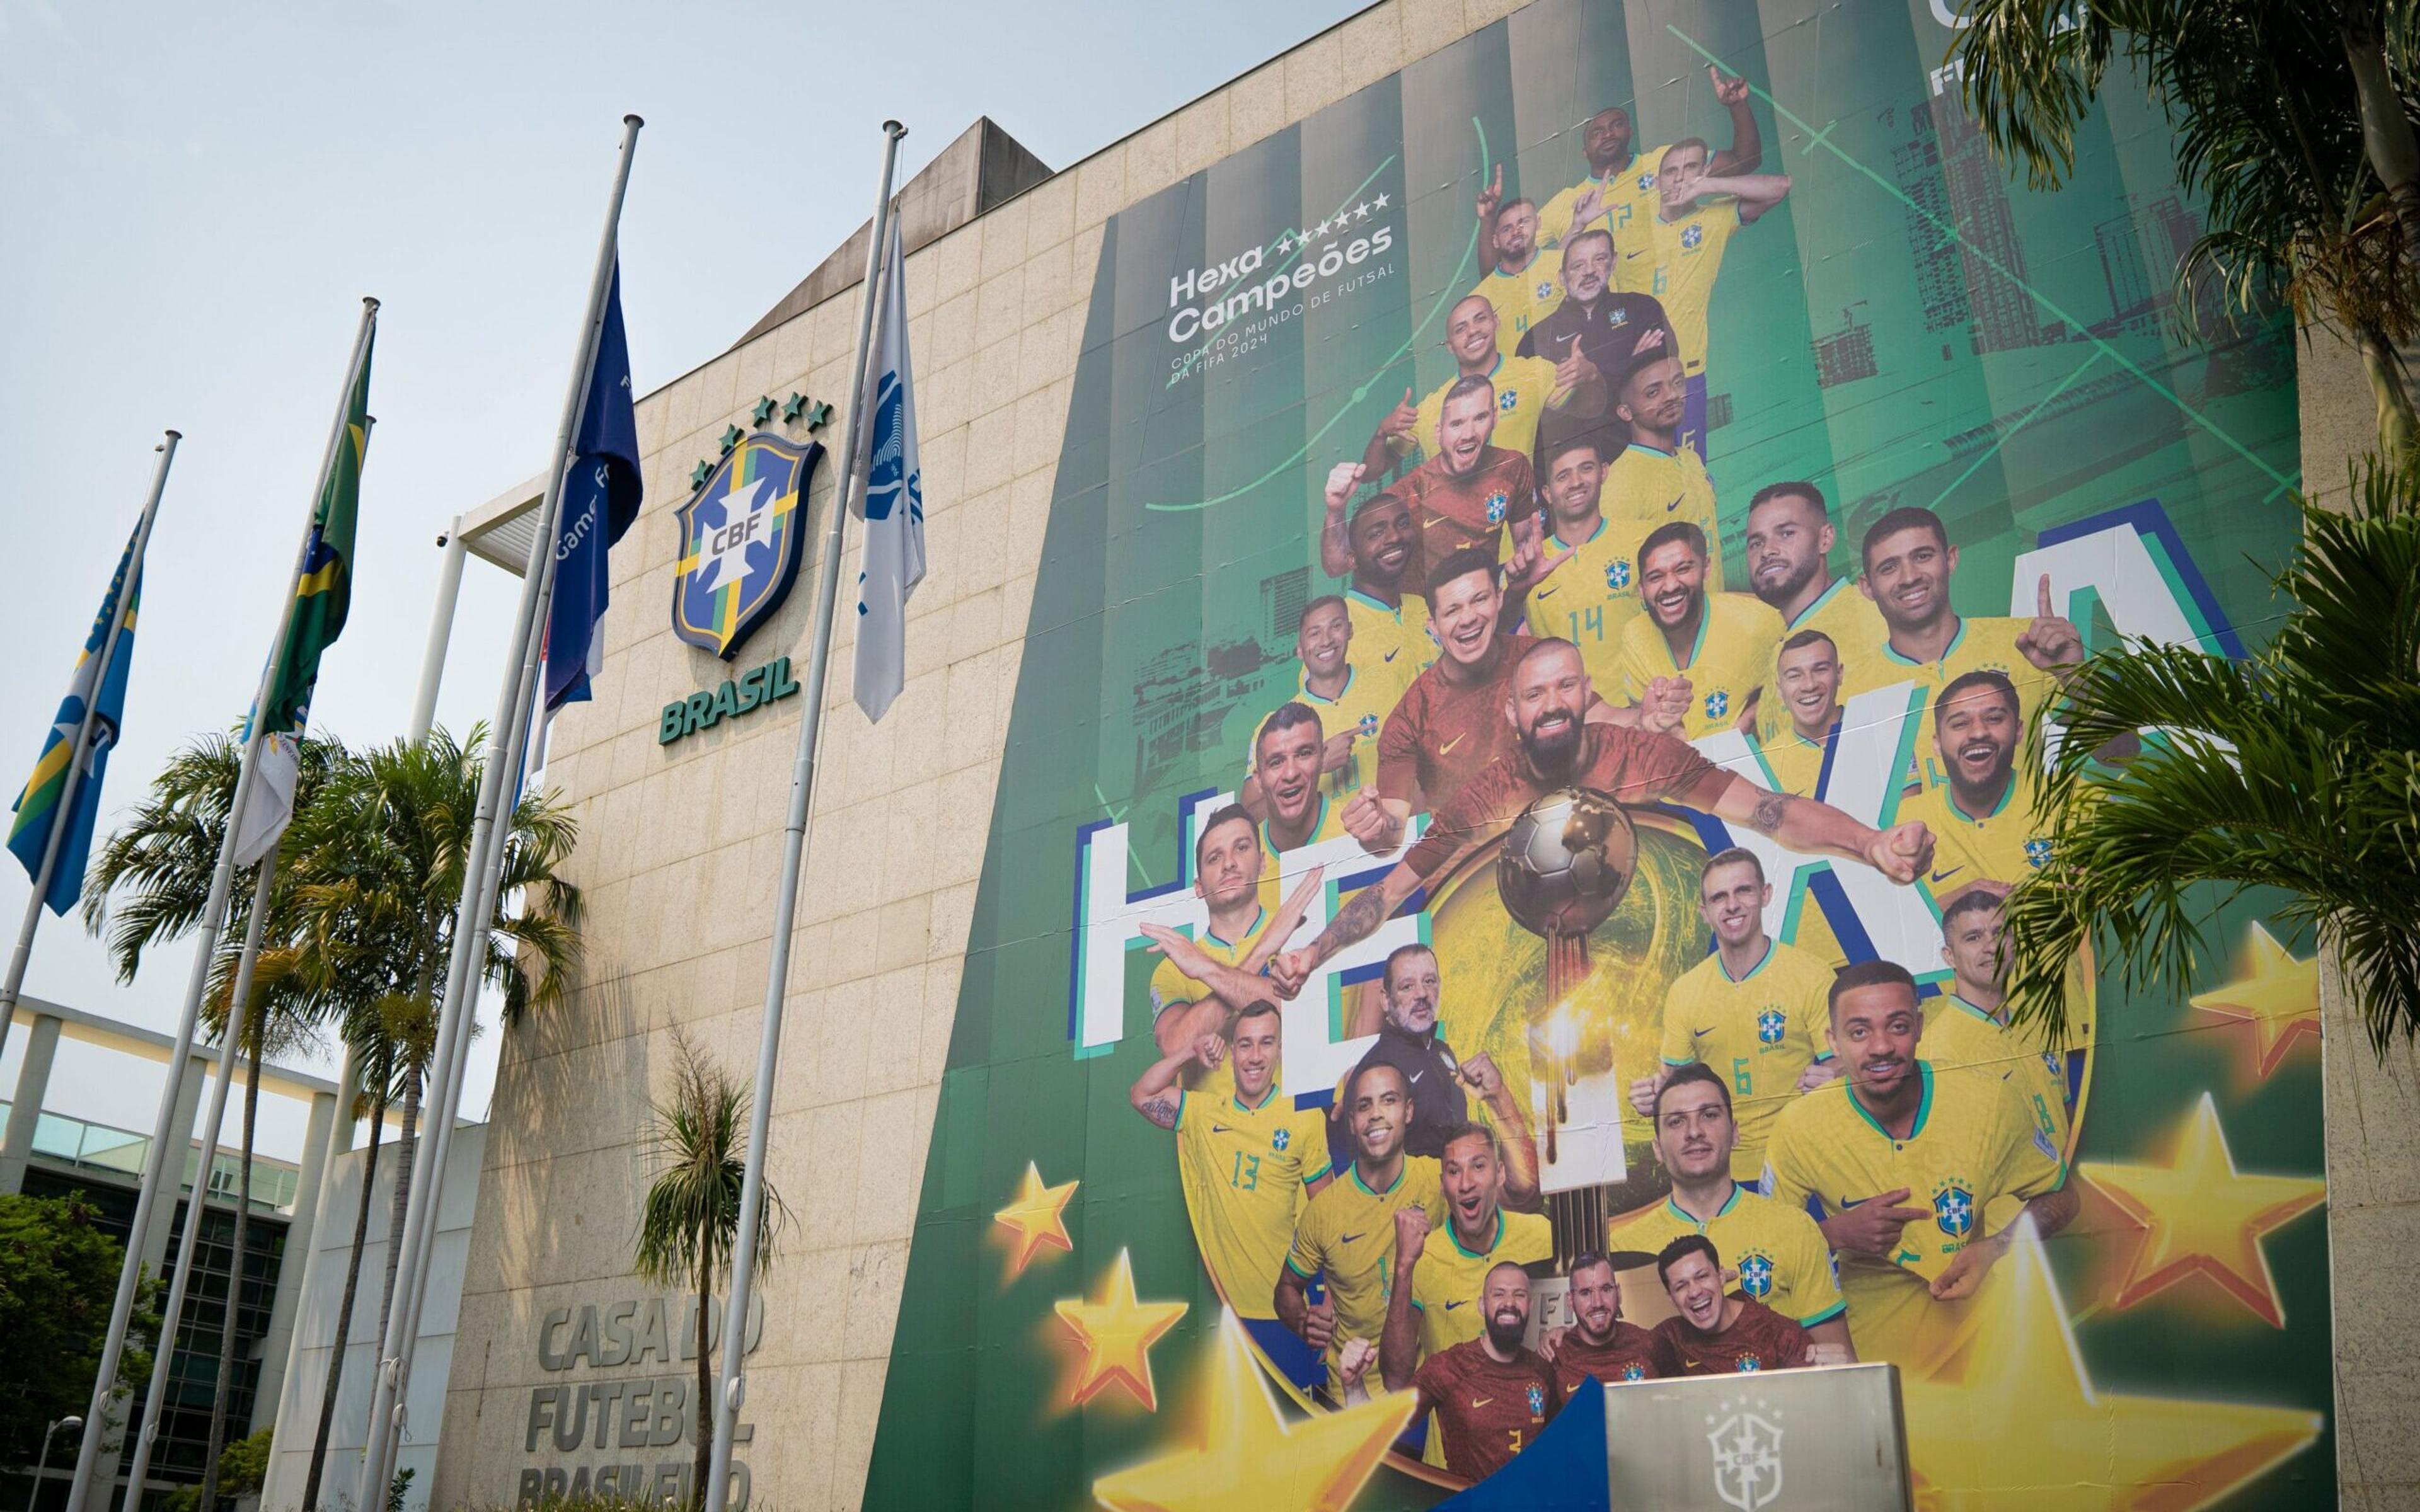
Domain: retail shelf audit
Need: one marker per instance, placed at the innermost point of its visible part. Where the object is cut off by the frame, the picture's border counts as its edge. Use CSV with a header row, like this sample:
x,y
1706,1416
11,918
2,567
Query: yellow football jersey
x,y
1392,645
1243,1171
1972,1143
1362,707
1982,644
1794,763
1778,1252
1759,1033
1446,1283
1171,987
1959,1035
1725,665
1855,626
1589,599
1645,488
2004,845
1348,1232
1522,386
1521,300
1628,197
1677,262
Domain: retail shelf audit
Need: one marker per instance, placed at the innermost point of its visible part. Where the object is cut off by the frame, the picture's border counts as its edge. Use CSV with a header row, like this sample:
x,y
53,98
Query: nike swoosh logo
x,y
1392,654
1674,505
1944,876
1478,1402
1347,1239
1846,1204
1418,1075
1451,1306
1545,592
1708,1029
1220,1128
1446,749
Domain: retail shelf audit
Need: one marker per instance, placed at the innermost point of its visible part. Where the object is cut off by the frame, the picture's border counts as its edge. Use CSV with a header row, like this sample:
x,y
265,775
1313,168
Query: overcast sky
x,y
194,200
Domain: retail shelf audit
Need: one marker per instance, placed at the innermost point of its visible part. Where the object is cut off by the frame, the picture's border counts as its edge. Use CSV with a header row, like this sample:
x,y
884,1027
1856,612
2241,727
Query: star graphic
x,y
763,409
1378,203
2277,994
733,436
1116,1332
2198,1215
793,407
698,474
2084,1447
1248,1459
1036,1215
1361,211
816,414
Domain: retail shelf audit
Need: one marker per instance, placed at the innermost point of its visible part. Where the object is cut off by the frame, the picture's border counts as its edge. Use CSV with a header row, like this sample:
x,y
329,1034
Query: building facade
x,y
1136,378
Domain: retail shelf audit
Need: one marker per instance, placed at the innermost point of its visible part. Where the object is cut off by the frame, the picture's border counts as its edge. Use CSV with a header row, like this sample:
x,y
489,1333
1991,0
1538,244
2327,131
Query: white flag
x,y
882,452
267,813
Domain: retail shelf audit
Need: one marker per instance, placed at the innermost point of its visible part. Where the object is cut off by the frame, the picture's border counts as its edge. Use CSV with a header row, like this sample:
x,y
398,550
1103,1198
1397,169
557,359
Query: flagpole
x,y
482,860
61,816
794,849
156,1157
181,1273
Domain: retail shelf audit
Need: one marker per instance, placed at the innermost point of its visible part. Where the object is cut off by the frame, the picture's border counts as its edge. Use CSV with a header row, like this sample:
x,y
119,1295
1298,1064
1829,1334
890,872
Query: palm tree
x,y
688,1223
2294,122
161,861
378,864
2296,769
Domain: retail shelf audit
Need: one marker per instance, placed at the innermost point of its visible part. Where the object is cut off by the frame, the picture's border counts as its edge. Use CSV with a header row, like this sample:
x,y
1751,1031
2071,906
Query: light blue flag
x,y
883,453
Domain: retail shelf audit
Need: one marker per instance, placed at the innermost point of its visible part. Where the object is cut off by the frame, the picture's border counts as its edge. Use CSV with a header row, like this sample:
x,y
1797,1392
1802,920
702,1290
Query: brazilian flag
x,y
325,591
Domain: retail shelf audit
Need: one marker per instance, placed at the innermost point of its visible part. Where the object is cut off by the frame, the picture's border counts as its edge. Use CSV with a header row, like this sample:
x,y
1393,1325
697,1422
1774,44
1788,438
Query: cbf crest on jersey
x,y
742,535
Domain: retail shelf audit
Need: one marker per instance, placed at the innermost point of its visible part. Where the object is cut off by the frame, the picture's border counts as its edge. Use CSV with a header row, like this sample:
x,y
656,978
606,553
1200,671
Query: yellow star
x,y
2277,994
1250,1459
1034,1216
1116,1333
2025,1428
2199,1216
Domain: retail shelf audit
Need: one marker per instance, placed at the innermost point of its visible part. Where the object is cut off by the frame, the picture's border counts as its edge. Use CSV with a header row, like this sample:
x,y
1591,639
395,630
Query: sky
x,y
193,201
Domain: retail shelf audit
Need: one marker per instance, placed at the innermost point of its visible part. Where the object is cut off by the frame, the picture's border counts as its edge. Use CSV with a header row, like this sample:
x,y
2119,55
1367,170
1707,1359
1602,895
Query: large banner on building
x,y
1495,882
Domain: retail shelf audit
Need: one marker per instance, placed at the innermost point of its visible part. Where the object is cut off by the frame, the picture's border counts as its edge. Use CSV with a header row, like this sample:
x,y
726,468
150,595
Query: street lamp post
x,y
43,1465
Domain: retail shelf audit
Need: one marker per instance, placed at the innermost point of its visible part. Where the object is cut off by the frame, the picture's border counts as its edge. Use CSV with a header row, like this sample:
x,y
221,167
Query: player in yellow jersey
x,y
1346,1236
1964,1027
1716,643
1901,1163
1390,626
1248,1163
1525,388
1908,563
1200,984
1618,195
1289,756
1696,213
1350,699
1778,1252
1752,1010
1524,284
1593,590
1788,557
1656,480
1984,818
1806,687
1433,1306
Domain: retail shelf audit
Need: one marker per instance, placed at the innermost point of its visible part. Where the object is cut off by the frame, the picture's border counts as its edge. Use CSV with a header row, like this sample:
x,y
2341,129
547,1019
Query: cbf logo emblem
x,y
1954,1209
2037,852
1746,1441
1717,705
1369,727
1617,574
1770,1025
1537,1399
1280,1139
1692,238
1496,509
1510,400
1756,1275
742,536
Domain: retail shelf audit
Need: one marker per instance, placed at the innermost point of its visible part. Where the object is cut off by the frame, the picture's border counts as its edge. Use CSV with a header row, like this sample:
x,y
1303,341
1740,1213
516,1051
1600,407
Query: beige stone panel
x,y
995,373
1000,305
1004,238
1202,134
1316,75
1373,46
717,392
573,1215
753,377
861,1406
1479,13
1041,426
895,1034
1101,186
1049,214
1428,25
988,455
1256,105
1151,160
890,1164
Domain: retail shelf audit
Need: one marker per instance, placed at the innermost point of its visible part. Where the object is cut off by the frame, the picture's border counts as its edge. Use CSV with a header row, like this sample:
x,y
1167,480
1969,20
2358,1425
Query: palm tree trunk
x,y
2387,134
2392,388
345,1308
234,1267
403,1152
702,1453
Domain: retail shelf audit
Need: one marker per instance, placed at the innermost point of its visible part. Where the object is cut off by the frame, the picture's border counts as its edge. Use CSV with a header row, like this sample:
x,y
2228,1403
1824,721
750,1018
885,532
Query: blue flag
x,y
600,500
38,806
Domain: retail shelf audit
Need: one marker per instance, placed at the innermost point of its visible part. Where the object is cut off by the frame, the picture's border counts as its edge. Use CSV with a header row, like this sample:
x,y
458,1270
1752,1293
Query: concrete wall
x,y
2373,1103
322,1288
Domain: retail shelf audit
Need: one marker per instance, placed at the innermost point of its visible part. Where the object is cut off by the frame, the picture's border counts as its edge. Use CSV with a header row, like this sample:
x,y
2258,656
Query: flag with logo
x,y
600,500
323,594
883,453
37,807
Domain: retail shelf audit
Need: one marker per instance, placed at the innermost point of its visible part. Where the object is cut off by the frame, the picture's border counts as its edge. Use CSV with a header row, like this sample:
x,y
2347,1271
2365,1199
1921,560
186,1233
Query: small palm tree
x,y
689,1224
2294,123
2296,769
160,865
378,864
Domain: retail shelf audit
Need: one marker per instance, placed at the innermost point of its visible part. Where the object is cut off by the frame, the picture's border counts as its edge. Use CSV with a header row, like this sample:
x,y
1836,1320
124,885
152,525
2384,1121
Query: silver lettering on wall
x,y
595,1419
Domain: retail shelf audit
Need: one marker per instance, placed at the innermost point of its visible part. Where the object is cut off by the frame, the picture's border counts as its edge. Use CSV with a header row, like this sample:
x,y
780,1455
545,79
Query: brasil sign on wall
x,y
1494,883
